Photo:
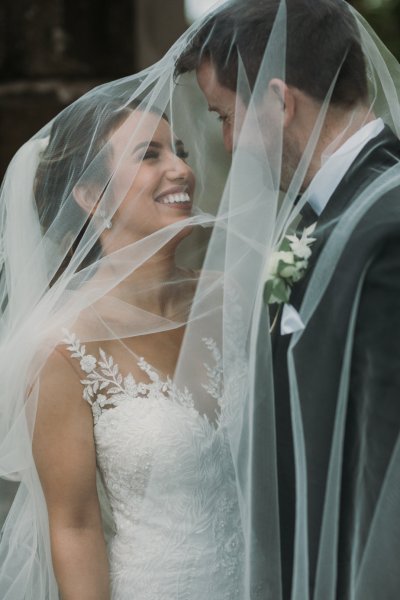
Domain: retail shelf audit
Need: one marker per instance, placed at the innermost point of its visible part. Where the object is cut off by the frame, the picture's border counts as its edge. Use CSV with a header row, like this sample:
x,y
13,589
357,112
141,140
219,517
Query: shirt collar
x,y
335,166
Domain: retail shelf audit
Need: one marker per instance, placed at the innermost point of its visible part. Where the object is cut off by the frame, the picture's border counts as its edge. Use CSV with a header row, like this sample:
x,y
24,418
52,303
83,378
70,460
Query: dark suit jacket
x,y
373,406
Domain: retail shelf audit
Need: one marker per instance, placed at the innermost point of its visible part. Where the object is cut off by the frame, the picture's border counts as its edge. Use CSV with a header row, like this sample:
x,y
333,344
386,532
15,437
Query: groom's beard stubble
x,y
291,156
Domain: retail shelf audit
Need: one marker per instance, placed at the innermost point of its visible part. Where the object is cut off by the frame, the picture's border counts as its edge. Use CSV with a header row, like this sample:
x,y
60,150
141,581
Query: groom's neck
x,y
339,126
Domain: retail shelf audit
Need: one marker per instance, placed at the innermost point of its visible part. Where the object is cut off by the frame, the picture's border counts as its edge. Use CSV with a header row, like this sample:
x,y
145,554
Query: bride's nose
x,y
177,168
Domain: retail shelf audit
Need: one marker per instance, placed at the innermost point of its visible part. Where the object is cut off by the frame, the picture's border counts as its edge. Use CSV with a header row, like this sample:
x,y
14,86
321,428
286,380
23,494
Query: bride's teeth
x,y
176,198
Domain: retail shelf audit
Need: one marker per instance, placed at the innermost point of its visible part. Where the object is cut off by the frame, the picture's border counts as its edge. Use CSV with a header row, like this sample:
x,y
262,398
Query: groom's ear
x,y
285,97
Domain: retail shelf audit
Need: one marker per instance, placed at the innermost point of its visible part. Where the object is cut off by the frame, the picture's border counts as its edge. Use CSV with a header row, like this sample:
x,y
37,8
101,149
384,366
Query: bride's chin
x,y
183,233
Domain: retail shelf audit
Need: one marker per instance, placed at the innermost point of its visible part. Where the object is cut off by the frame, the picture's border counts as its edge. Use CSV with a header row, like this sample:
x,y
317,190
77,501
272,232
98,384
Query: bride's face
x,y
151,178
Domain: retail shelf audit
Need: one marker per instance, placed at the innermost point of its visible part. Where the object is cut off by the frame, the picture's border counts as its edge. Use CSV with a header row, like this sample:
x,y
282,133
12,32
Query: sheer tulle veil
x,y
78,220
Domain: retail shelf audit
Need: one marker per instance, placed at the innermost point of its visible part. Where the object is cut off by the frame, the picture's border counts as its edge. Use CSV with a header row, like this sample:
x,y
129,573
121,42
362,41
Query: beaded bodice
x,y
170,481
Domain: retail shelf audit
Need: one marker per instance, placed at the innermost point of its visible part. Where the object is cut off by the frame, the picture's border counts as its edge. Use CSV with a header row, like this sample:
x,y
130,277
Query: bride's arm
x,y
64,452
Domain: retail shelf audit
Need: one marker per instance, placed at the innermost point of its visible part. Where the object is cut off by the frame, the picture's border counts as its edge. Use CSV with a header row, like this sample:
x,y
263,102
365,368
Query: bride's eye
x,y
222,118
182,154
180,151
150,154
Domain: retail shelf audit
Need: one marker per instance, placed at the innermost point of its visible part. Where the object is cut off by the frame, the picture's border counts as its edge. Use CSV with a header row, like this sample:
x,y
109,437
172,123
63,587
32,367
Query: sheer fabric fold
x,y
103,248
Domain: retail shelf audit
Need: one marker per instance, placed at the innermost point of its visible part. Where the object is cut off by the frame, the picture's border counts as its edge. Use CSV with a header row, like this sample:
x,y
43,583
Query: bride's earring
x,y
106,220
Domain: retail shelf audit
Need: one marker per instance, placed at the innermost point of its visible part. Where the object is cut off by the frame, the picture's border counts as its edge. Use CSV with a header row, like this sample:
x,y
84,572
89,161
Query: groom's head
x,y
322,44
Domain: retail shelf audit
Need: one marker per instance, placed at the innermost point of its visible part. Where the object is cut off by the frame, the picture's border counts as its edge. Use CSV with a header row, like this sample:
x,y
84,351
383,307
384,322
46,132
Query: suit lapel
x,y
381,153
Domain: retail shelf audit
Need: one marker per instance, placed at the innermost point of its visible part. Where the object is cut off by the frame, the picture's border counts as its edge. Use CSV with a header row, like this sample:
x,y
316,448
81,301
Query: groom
x,y
318,30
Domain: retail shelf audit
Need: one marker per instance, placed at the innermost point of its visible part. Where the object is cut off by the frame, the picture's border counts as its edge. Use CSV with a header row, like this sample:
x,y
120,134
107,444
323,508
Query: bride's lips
x,y
176,197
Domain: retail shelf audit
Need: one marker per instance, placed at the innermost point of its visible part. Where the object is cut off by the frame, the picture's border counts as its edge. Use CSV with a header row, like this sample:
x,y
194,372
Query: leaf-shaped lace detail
x,y
169,478
215,384
104,376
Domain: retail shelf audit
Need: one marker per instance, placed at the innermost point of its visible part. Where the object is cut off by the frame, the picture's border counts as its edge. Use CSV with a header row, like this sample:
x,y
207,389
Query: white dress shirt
x,y
321,190
336,166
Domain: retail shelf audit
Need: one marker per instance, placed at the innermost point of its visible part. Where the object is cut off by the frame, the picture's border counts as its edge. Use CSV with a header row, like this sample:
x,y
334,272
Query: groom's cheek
x,y
227,135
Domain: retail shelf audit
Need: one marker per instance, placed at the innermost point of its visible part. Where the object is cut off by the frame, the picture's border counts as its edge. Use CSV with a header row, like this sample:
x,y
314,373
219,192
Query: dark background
x,y
52,51
384,17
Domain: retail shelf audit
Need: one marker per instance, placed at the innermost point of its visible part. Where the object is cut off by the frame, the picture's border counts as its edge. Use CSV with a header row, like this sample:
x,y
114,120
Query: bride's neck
x,y
150,285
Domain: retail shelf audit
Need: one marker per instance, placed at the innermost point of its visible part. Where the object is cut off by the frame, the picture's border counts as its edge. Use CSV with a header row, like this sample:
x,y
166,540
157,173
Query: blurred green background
x,y
384,17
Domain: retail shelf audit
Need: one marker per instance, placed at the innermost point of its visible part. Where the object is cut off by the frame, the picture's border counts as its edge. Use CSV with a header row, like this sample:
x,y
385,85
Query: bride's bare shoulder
x,y
59,379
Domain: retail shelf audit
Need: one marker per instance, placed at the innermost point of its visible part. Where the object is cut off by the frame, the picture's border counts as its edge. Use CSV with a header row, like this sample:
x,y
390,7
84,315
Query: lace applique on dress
x,y
103,376
215,384
170,482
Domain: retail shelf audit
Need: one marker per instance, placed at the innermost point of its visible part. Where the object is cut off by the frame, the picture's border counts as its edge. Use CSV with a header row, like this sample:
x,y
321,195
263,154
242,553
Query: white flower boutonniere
x,y
288,265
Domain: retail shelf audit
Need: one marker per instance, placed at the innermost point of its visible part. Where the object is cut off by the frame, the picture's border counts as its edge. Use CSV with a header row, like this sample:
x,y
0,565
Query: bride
x,y
117,423
111,402
125,384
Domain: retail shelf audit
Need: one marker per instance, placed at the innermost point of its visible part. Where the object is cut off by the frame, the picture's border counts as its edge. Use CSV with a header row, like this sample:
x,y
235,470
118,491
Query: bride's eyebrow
x,y
147,144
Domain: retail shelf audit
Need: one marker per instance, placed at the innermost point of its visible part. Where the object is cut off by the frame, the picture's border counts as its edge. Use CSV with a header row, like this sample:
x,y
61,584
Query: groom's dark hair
x,y
323,42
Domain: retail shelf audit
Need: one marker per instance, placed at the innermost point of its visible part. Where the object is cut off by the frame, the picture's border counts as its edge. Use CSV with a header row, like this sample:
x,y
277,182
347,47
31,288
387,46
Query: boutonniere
x,y
287,265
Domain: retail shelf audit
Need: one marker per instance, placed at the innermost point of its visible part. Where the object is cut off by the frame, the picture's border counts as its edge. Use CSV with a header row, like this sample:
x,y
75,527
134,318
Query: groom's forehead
x,y
215,92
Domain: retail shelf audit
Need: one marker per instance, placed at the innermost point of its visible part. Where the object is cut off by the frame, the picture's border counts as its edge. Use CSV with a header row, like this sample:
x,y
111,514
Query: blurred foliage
x,y
384,17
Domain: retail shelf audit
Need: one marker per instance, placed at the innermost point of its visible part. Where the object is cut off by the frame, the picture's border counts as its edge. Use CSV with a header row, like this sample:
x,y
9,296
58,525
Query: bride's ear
x,y
85,198
285,97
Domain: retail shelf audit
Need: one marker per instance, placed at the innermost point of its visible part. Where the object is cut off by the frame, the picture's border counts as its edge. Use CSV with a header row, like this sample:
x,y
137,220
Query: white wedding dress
x,y
169,478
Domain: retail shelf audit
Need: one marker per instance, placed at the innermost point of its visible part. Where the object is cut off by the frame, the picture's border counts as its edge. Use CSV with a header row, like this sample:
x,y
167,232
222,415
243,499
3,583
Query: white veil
x,y
323,565
80,226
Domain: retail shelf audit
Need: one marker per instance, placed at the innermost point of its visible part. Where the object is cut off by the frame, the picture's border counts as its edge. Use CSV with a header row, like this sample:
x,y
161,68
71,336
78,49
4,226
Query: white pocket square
x,y
291,320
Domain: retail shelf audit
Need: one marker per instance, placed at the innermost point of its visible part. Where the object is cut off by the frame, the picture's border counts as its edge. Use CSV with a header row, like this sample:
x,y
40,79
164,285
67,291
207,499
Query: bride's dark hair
x,y
72,156
322,37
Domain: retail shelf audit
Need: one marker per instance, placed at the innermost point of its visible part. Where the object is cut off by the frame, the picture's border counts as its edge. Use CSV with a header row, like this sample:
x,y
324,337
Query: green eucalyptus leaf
x,y
281,290
268,289
285,246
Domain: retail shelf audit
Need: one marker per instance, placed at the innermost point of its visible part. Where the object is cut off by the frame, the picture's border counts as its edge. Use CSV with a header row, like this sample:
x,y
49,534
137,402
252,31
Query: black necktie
x,y
308,216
